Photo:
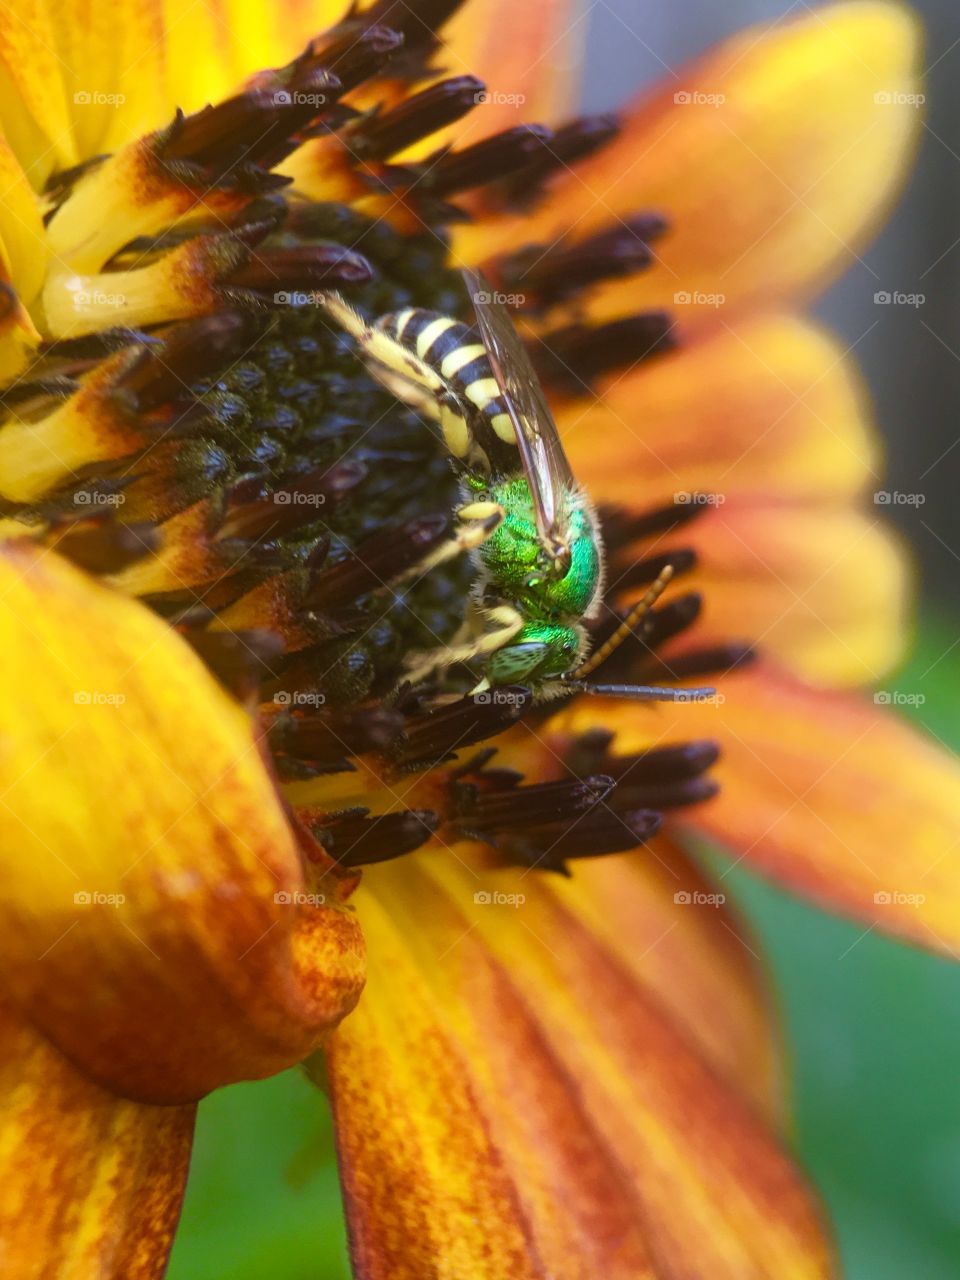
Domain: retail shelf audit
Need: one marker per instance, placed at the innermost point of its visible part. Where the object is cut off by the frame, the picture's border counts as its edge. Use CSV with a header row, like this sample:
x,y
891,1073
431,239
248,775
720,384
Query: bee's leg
x,y
481,519
400,370
508,623
410,379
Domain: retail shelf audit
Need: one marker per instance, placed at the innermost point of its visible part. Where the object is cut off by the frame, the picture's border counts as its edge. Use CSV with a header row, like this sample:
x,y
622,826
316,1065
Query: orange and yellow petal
x,y
772,158
513,1099
156,919
92,1182
831,794
823,589
527,55
768,404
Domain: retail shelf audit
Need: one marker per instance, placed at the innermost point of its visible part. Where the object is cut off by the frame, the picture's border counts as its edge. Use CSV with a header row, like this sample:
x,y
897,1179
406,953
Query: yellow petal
x,y
154,922
92,1183
34,110
23,243
772,158
513,1099
78,79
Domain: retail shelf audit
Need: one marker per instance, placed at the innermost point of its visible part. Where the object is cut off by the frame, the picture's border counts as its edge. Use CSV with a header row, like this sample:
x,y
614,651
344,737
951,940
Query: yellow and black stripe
x,y
477,429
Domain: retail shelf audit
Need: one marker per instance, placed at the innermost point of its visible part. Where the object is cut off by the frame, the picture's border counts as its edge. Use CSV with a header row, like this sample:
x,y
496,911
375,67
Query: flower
x,y
256,849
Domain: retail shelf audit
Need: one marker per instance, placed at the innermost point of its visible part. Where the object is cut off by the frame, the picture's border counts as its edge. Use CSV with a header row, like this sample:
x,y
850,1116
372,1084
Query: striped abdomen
x,y
476,426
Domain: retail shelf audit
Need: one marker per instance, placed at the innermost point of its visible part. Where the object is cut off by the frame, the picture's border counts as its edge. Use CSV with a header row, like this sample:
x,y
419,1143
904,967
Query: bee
x,y
531,529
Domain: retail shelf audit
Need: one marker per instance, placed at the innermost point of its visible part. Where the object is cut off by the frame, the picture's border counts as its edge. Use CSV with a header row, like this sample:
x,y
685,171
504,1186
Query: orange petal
x,y
832,795
512,1099
768,405
822,589
772,158
527,55
92,1183
155,922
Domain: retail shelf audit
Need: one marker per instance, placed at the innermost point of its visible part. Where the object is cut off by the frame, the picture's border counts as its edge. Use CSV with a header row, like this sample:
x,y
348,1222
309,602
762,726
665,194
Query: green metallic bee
x,y
532,531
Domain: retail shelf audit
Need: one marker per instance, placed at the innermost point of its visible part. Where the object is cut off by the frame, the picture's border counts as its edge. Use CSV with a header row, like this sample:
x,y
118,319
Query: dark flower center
x,y
267,493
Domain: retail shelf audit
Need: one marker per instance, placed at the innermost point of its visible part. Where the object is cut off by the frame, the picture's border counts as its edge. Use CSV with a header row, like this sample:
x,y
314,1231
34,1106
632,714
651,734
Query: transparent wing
x,y
538,440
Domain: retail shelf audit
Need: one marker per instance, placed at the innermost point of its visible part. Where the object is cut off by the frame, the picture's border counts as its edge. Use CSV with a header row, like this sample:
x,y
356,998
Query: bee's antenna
x,y
642,607
640,692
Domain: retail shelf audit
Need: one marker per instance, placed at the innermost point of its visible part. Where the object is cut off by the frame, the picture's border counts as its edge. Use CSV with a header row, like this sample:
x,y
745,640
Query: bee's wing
x,y
538,440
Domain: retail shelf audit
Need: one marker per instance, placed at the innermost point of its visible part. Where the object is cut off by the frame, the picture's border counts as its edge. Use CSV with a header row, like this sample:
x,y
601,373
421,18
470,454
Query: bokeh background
x,y
873,1028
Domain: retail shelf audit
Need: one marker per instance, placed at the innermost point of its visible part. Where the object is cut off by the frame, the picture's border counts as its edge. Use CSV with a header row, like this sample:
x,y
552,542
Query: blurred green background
x,y
874,1034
